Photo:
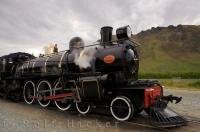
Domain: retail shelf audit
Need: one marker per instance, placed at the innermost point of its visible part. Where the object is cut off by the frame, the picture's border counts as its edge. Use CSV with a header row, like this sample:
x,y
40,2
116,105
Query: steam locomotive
x,y
103,74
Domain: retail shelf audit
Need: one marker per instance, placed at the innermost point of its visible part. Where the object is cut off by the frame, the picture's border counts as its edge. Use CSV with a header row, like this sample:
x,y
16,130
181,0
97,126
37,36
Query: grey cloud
x,y
180,12
28,25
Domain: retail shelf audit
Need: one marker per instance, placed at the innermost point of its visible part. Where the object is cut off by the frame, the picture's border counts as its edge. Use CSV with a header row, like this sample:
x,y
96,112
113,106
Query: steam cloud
x,y
84,58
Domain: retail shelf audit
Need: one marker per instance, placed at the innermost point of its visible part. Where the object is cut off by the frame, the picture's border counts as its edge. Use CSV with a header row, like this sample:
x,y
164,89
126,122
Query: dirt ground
x,y
19,117
190,104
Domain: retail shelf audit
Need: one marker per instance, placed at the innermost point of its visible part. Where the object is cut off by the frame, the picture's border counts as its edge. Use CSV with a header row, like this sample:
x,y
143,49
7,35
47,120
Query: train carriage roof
x,y
17,55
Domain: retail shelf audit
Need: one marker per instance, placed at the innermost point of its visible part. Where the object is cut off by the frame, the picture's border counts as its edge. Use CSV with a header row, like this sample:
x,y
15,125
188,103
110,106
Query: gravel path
x,y
19,117
190,104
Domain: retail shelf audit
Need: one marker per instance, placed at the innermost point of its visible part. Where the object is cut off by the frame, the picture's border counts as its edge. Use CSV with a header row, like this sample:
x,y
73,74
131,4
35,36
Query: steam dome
x,y
76,43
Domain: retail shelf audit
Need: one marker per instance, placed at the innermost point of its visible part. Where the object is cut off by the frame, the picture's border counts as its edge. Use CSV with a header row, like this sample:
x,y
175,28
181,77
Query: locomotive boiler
x,y
104,74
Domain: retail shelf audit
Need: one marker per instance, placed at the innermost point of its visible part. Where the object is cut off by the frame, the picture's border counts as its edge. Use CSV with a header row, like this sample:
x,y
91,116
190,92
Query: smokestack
x,y
106,34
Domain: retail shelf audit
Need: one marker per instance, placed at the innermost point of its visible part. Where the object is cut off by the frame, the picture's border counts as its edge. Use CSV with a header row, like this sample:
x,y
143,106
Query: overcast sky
x,y
29,25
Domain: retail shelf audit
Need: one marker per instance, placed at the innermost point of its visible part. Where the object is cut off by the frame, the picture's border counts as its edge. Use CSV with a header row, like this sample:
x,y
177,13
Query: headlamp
x,y
124,32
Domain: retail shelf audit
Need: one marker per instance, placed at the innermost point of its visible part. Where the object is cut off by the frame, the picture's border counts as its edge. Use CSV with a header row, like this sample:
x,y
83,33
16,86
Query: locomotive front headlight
x,y
124,32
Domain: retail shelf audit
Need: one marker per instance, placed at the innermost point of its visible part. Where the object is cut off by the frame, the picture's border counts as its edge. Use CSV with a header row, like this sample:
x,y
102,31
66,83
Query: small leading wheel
x,y
83,107
29,92
44,90
61,104
121,108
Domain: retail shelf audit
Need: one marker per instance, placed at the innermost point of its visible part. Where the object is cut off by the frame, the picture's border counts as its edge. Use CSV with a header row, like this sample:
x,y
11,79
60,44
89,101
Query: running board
x,y
165,118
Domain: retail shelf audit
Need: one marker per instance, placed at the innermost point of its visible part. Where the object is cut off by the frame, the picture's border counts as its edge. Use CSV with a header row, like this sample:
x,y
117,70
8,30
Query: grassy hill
x,y
167,52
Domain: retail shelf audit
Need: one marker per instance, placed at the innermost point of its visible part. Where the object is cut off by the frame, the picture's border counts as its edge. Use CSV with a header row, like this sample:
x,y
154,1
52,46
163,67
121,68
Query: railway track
x,y
143,120
146,125
191,119
148,122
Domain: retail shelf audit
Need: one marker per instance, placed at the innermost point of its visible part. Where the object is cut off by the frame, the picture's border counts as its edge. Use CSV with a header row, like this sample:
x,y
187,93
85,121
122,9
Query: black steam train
x,y
104,74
